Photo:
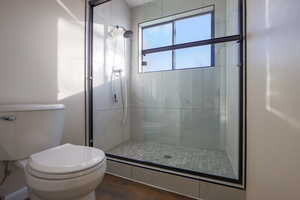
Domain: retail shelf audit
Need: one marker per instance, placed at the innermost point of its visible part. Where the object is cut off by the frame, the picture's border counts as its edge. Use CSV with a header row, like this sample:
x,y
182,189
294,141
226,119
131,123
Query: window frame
x,y
173,47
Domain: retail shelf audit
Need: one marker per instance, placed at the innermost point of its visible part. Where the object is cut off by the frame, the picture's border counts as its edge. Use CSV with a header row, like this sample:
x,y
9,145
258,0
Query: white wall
x,y
109,129
42,60
273,100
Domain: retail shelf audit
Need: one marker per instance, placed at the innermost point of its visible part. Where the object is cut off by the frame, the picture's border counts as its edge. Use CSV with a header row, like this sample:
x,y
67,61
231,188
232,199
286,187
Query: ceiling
x,y
134,3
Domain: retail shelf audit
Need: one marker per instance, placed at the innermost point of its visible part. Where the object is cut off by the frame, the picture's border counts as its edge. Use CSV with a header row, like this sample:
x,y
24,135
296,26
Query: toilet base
x,y
90,196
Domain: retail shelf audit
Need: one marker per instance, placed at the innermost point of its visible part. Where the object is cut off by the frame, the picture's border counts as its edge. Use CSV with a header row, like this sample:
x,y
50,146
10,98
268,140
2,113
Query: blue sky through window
x,y
193,57
160,61
157,36
187,30
193,29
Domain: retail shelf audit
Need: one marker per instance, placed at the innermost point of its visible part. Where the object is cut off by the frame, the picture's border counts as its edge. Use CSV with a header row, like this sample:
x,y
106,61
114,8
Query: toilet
x,y
31,135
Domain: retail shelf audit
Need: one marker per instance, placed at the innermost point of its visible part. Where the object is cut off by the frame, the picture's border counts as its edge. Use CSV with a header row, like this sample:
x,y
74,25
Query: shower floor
x,y
213,162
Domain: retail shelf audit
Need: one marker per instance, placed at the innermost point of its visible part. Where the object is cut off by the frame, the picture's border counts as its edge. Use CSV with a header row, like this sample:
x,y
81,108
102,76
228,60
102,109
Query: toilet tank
x,y
28,129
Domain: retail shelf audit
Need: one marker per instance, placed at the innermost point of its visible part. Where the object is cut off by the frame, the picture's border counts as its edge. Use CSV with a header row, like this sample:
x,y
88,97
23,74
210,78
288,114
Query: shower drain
x,y
167,156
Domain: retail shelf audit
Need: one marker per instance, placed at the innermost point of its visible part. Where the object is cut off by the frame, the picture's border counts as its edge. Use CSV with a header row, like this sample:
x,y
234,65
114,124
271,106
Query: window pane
x,y
157,36
193,29
157,61
193,57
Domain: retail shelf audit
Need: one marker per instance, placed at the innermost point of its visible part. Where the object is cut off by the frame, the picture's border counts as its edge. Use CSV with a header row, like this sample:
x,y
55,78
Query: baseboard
x,y
21,194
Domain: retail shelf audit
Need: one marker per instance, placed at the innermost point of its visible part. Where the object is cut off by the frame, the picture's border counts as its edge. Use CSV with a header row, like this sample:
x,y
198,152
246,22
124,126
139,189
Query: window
x,y
174,42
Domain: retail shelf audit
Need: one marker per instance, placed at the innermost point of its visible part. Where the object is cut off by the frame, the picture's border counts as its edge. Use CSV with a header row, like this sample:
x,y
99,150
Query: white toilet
x,y
32,134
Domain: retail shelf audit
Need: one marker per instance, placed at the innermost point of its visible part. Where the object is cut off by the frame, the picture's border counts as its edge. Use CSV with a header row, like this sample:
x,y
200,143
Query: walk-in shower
x,y
167,87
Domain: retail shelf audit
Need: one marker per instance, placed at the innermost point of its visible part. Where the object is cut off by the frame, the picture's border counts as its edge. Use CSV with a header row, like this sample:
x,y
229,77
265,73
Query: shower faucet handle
x,y
8,118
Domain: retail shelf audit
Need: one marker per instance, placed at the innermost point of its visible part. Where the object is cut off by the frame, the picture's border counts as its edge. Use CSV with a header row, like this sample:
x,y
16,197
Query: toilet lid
x,y
66,158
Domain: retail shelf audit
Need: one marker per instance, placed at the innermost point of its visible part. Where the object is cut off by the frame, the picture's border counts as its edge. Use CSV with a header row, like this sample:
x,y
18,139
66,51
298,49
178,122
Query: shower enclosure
x,y
166,85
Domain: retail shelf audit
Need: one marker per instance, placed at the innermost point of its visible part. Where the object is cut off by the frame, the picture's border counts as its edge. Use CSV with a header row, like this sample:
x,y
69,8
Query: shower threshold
x,y
206,161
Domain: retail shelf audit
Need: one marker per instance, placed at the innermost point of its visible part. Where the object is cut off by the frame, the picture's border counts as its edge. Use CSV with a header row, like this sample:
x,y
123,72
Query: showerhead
x,y
127,33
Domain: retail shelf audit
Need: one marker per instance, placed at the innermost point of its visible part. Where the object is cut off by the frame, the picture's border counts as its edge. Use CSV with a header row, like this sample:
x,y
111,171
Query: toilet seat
x,y
47,176
65,162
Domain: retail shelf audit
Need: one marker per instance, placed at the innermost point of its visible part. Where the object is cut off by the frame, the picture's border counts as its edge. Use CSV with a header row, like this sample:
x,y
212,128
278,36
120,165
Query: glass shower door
x,y
170,94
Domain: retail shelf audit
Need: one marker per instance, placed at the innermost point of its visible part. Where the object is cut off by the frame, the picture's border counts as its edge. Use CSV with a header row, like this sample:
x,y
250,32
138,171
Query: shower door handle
x,y
8,118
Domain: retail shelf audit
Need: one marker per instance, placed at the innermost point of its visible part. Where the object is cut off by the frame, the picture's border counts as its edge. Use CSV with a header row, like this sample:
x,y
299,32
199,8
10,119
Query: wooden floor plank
x,y
115,188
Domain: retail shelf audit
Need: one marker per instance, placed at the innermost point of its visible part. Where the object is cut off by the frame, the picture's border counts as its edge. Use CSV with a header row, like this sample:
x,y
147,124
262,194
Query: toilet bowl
x,y
66,172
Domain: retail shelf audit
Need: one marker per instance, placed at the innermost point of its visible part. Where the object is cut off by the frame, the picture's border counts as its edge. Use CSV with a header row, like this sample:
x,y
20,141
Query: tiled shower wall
x,y
166,107
178,107
108,52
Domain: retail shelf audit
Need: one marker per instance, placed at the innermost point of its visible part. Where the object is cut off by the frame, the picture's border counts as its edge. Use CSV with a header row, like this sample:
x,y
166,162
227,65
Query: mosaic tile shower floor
x,y
213,162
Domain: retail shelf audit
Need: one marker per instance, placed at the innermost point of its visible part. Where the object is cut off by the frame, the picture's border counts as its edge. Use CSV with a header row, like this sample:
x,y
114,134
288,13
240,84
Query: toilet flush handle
x,y
8,118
